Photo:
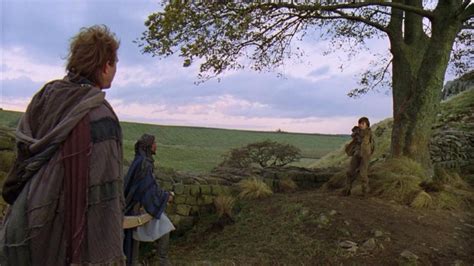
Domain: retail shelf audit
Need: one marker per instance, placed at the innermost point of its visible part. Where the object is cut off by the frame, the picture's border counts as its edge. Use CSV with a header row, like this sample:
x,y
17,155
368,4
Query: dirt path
x,y
308,228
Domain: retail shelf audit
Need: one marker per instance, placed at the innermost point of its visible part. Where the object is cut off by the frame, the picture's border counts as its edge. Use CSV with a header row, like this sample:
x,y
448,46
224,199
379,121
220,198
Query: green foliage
x,y
254,188
264,154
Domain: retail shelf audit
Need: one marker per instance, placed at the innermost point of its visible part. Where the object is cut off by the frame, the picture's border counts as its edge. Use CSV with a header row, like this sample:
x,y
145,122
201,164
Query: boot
x,y
163,246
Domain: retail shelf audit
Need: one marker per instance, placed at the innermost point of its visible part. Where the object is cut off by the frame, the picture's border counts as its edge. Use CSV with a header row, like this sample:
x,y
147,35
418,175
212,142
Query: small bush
x,y
287,185
254,189
224,205
263,154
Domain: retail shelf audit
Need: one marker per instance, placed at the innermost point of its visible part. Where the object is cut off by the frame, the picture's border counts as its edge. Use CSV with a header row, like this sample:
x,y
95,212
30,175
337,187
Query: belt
x,y
135,221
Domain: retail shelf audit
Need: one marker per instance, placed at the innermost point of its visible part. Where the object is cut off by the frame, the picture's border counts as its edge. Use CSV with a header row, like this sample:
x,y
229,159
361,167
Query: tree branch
x,y
343,15
468,13
399,6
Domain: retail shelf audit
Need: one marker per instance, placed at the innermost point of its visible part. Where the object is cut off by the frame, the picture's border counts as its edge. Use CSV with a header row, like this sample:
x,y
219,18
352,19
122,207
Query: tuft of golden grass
x,y
397,179
422,200
253,188
287,185
224,204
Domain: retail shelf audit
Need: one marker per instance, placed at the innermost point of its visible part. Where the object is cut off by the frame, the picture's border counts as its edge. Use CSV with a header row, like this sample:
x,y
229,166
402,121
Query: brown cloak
x,y
65,188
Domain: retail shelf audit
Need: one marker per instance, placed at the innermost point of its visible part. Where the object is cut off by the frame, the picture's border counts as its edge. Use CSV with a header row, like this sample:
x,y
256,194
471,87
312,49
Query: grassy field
x,y
200,149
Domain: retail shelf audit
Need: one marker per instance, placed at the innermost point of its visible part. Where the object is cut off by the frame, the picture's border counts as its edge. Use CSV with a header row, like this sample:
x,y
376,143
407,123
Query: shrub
x,y
253,188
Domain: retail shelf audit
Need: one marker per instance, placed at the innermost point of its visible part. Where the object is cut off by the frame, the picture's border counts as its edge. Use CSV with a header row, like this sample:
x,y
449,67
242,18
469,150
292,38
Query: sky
x,y
311,96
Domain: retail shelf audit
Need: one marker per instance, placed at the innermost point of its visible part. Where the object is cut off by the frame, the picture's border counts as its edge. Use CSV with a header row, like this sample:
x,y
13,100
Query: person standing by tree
x,y
65,187
424,37
361,147
142,191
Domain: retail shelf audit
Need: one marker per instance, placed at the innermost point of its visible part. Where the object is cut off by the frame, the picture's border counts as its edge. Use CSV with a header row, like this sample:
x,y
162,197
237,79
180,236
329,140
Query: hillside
x,y
198,150
312,228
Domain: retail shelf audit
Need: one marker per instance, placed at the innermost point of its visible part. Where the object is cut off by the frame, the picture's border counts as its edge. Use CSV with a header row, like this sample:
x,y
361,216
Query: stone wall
x,y
457,86
195,194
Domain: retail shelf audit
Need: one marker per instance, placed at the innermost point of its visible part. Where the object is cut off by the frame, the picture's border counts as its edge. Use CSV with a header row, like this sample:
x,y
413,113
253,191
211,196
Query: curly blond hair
x,y
90,50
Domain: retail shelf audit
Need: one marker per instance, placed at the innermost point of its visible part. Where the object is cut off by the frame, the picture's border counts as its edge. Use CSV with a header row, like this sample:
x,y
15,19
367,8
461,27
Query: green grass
x,y
199,150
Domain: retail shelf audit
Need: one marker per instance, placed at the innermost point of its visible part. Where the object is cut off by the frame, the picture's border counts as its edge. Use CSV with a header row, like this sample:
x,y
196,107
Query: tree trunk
x,y
418,76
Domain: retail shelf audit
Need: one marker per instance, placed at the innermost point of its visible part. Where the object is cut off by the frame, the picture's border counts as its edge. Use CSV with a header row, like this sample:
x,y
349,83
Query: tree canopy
x,y
229,35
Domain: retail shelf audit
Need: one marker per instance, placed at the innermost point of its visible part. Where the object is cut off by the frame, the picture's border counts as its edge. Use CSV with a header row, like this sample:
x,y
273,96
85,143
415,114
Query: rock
x,y
206,189
378,233
469,225
323,219
333,212
347,244
409,255
345,232
183,209
352,249
347,223
178,189
369,244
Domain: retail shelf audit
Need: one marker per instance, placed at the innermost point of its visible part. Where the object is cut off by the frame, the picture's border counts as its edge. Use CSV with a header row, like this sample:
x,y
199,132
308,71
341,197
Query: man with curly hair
x,y
65,189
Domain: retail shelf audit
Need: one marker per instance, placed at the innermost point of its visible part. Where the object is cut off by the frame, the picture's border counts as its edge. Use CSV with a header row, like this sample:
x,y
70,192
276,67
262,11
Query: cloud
x,y
214,115
16,64
311,96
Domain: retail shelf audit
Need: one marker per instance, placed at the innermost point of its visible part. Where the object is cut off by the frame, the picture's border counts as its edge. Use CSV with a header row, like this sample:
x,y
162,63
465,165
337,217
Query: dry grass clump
x,y
397,179
253,188
422,200
224,205
287,185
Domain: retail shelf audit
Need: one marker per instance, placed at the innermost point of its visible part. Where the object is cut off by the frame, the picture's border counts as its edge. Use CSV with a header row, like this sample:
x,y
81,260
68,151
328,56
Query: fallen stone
x,y
323,219
378,233
183,209
369,244
352,249
333,212
469,225
409,255
347,244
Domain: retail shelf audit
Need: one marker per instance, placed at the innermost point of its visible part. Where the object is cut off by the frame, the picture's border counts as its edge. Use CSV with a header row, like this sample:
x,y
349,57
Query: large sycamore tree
x,y
425,37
